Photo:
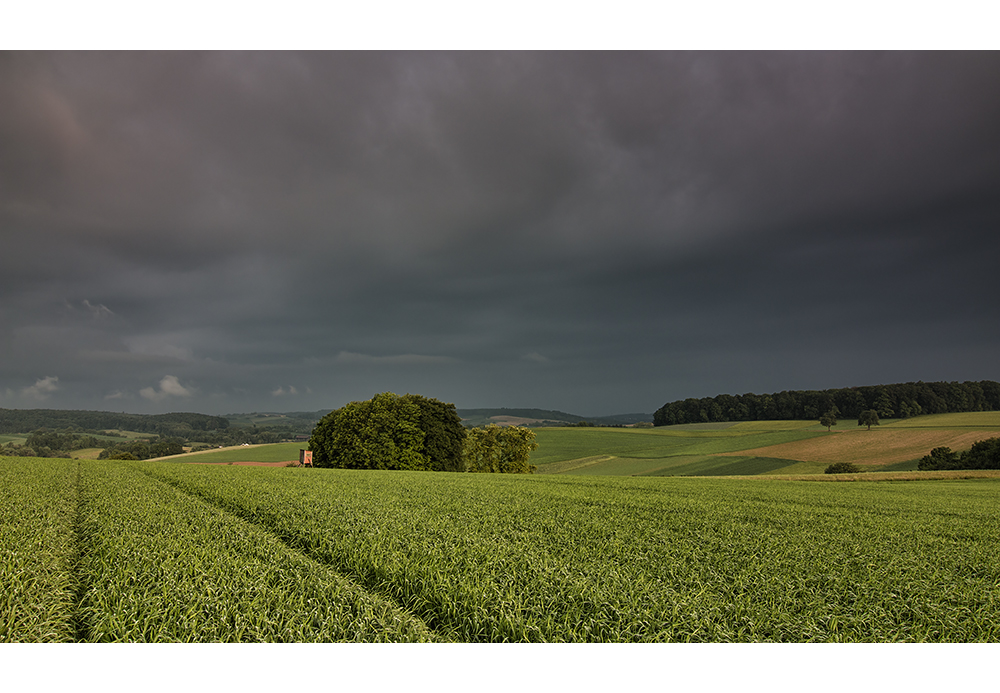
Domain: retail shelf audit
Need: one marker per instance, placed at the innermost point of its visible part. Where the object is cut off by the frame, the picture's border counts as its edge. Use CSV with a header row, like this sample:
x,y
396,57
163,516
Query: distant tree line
x,y
238,435
143,449
901,400
60,443
49,443
176,424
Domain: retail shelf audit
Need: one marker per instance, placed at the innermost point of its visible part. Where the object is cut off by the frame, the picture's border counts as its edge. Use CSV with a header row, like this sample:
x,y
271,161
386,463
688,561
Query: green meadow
x,y
274,452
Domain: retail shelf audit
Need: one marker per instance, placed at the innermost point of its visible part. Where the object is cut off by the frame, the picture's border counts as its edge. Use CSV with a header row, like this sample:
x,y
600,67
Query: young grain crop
x,y
652,451
164,567
37,549
635,560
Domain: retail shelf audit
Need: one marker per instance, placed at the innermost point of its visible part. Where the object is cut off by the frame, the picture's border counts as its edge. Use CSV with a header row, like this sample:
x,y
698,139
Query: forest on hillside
x,y
900,400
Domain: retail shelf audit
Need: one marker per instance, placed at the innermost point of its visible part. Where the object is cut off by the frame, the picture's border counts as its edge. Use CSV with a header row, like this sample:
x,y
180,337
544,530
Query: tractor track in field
x,y
79,619
292,544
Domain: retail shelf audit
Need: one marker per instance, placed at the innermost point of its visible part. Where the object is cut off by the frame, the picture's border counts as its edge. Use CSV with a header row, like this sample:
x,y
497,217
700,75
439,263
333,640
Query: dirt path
x,y
203,452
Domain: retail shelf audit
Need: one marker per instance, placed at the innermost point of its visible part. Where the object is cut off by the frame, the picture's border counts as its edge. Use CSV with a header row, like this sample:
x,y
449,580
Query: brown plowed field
x,y
869,447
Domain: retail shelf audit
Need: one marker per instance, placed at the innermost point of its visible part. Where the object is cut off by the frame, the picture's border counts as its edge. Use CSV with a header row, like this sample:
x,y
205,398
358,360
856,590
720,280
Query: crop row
x,y
629,560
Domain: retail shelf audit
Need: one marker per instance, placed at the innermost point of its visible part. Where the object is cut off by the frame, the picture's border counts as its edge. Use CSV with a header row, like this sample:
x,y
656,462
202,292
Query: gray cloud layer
x,y
597,233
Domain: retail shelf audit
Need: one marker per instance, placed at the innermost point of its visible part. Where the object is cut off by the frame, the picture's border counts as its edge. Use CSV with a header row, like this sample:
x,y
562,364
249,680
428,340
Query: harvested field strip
x,y
563,558
868,447
975,419
38,506
164,567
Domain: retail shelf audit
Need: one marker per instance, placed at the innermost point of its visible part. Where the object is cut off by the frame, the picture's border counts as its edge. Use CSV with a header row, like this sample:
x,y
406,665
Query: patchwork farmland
x,y
755,447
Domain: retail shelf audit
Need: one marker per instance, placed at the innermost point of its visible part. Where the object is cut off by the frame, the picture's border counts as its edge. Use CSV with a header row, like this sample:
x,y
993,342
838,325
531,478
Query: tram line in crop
x,y
241,514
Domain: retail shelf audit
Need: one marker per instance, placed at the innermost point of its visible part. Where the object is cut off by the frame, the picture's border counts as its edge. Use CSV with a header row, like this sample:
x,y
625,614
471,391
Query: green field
x,y
274,452
102,551
754,447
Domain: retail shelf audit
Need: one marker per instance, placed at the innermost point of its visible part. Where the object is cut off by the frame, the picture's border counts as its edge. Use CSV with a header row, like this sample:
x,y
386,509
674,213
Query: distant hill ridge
x,y
480,417
180,423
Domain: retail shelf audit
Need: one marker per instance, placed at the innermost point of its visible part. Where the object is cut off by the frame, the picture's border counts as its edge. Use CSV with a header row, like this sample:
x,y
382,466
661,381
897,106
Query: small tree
x,y
869,418
499,450
828,419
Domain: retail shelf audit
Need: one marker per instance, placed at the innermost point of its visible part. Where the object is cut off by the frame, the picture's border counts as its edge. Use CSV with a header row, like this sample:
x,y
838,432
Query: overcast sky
x,y
592,232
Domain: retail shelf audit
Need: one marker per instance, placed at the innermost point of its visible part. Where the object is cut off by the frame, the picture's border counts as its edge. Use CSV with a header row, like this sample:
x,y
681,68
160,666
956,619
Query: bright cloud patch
x,y
170,386
42,388
281,391
99,311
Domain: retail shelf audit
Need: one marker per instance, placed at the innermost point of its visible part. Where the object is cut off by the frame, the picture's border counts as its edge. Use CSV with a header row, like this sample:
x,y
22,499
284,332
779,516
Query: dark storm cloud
x,y
595,232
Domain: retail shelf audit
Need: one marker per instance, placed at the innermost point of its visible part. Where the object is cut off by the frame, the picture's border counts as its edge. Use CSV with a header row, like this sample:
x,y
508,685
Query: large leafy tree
x,y
381,433
390,432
